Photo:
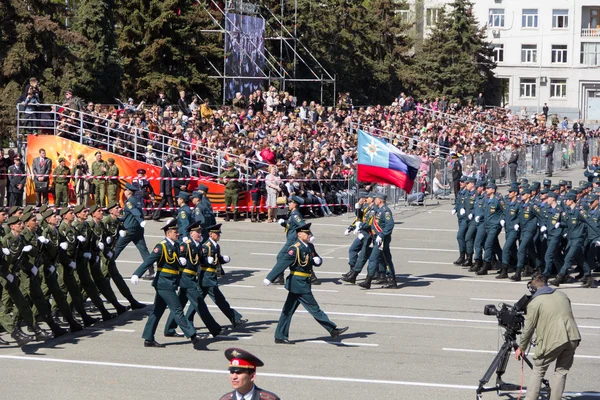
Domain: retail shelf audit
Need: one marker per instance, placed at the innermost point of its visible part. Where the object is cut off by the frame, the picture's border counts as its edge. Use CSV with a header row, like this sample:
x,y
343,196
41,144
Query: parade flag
x,y
382,162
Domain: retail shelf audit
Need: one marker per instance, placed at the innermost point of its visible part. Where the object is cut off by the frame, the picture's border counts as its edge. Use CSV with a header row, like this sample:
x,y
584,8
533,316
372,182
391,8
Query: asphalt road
x,y
428,339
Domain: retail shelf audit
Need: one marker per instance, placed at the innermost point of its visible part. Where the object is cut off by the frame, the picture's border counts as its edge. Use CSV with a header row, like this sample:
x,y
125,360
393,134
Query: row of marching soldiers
x,y
548,228
52,260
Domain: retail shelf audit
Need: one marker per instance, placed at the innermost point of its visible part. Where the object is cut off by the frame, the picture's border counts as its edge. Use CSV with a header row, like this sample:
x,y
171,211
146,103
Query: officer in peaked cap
x,y
242,373
290,224
547,183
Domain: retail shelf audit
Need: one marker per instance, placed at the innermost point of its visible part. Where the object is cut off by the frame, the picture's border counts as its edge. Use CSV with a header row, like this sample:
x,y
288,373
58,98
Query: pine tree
x,y
456,60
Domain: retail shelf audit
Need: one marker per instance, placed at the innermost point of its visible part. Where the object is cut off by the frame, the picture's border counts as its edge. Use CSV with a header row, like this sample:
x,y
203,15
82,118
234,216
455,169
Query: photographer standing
x,y
549,315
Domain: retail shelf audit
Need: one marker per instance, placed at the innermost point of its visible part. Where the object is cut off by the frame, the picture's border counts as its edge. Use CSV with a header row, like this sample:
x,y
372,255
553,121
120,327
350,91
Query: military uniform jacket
x,y
83,229
32,258
111,229
132,215
166,256
575,224
198,216
97,170
61,174
528,216
181,173
459,203
367,219
299,259
293,222
592,219
511,215
12,262
192,251
67,234
208,272
383,222
549,218
259,394
184,219
50,250
96,236
494,210
590,171
469,203
229,174
113,171
13,181
207,211
479,208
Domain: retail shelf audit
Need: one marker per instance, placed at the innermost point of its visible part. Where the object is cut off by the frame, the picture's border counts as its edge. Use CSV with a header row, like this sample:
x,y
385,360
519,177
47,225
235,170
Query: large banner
x,y
245,49
57,147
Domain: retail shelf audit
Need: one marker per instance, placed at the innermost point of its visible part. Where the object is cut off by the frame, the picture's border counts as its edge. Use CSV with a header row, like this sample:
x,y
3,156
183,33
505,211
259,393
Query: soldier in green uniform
x,y
112,225
14,250
48,258
511,218
83,256
99,168
229,178
96,248
113,183
184,215
189,289
166,256
61,183
31,286
208,280
67,278
528,227
300,258
293,221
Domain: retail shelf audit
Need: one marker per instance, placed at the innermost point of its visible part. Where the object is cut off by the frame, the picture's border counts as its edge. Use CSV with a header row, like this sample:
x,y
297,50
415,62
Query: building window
x,y
498,53
529,53
432,16
404,16
530,18
590,53
558,88
528,87
594,18
560,19
559,53
496,18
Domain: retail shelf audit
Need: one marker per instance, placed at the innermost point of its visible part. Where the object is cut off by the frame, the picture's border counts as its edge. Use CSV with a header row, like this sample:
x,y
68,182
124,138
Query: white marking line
x,y
273,254
430,262
221,371
494,352
113,329
513,301
396,228
240,286
402,295
314,290
342,343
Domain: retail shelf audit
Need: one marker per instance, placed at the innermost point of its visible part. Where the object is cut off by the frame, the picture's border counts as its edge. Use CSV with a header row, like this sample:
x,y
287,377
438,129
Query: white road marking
x,y
314,290
240,286
430,262
494,352
221,371
397,228
112,329
341,343
401,295
513,301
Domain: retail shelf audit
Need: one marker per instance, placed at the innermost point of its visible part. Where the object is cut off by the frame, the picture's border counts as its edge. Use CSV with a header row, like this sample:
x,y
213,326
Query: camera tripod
x,y
499,365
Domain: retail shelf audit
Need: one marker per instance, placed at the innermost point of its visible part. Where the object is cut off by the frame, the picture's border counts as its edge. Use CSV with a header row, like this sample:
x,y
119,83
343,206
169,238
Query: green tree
x,y
456,60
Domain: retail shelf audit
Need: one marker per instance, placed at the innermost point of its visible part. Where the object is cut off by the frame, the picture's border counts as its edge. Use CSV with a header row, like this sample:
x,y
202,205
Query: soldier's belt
x,y
298,273
207,269
168,271
190,271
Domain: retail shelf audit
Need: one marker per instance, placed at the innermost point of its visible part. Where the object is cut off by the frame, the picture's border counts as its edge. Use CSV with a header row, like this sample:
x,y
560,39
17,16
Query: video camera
x,y
512,318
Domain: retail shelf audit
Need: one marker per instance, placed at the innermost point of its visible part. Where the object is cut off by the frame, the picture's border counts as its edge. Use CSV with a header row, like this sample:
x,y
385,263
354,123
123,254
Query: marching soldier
x,y
170,264
113,183
364,236
359,209
494,210
592,252
528,228
300,258
459,208
242,373
99,168
61,183
184,215
469,203
480,231
293,221
552,228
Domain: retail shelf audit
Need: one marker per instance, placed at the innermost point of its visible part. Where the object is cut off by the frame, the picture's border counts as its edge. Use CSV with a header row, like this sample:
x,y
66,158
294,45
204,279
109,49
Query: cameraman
x,y
549,315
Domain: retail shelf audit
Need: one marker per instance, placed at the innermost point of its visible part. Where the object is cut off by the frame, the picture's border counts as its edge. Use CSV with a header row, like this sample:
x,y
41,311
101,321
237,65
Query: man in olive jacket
x,y
549,315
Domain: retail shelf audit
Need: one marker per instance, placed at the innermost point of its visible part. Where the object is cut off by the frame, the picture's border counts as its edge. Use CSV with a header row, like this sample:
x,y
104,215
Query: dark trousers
x,y
526,252
50,287
512,172
470,235
110,270
162,300
87,283
354,250
219,299
381,256
492,244
553,257
12,296
461,235
137,237
479,240
15,199
194,295
166,200
292,302
364,254
510,246
574,255
41,197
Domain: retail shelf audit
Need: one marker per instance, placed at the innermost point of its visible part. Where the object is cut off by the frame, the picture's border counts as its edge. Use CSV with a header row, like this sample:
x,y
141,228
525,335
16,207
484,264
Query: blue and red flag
x,y
382,162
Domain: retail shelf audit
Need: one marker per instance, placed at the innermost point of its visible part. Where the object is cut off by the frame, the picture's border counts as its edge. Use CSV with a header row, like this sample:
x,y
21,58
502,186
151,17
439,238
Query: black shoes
x,y
89,321
122,309
516,277
503,273
589,282
366,284
136,305
174,334
239,323
461,259
196,338
283,341
152,343
338,331
20,337
40,334
484,269
391,283
350,277
559,279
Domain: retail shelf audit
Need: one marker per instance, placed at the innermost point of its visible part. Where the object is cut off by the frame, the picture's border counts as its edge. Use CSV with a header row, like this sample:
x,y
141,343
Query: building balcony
x,y
590,32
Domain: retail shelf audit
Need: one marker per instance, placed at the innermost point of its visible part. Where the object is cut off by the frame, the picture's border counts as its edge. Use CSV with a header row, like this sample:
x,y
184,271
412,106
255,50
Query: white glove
x,y
477,218
27,248
516,227
595,174
185,239
453,211
5,251
543,229
97,258
52,268
347,232
317,260
182,261
470,216
356,205
281,221
361,236
72,264
108,240
564,235
557,225
462,211
210,260
101,245
143,224
10,278
312,239
545,236
34,270
81,238
266,282
122,233
87,255
357,227
135,279
109,254
64,245
378,240
502,222
597,244
42,240
226,259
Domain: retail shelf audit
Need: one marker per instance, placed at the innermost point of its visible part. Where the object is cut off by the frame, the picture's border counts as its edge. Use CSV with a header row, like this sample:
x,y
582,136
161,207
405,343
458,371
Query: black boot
x,y
589,283
503,273
559,279
135,305
517,276
476,266
227,216
350,278
468,261
41,334
484,269
121,309
88,321
366,284
20,337
460,259
391,283
106,316
73,325
380,279
235,215
347,274
57,331
56,317
528,271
